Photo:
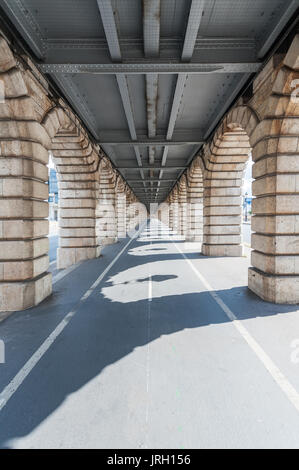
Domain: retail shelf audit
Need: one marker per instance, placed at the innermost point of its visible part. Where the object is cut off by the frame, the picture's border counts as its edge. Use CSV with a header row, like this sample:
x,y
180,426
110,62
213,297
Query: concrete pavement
x,y
148,356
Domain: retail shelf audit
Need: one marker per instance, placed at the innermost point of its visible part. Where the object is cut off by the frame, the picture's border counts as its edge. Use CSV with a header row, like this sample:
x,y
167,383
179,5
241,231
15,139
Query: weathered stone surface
x,y
222,250
23,249
7,60
277,289
22,295
22,270
68,256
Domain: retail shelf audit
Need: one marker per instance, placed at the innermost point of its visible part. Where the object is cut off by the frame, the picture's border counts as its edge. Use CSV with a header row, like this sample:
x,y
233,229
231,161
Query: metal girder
x,y
287,14
26,25
151,27
194,19
145,67
151,181
195,15
149,142
151,41
166,188
170,168
110,29
166,44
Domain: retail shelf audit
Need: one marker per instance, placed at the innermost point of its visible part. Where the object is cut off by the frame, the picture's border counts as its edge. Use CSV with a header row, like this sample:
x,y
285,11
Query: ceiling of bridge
x,y
150,79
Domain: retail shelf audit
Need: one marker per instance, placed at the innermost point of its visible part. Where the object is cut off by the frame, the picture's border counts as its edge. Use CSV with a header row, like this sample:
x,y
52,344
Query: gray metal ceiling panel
x,y
72,32
66,18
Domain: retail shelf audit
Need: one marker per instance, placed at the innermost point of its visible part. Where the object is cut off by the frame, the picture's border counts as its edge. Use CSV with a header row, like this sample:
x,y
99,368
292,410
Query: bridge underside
x,y
141,103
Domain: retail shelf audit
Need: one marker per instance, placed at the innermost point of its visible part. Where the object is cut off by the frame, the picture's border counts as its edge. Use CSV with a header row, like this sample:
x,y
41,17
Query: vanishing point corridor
x,y
138,349
149,227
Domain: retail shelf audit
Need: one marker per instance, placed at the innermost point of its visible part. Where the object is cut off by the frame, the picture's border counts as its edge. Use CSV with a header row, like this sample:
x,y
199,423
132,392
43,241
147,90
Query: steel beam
x,y
110,29
195,15
151,181
150,142
282,21
169,168
144,67
151,41
166,44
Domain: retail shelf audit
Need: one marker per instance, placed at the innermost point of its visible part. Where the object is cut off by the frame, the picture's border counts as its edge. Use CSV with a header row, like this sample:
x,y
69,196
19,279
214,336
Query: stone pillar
x,y
163,214
76,162
171,217
183,210
105,212
24,280
275,259
195,204
175,210
222,194
130,210
120,206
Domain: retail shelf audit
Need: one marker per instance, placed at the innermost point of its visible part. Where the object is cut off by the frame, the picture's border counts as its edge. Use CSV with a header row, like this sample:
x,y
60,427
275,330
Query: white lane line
x,y
148,356
271,367
19,378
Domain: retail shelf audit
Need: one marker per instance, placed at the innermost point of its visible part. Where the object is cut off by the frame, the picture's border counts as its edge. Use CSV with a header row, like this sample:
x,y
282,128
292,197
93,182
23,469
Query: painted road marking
x,y
275,372
19,378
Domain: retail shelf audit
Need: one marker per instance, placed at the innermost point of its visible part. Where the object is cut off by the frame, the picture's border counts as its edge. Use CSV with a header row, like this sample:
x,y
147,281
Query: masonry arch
x,y
225,161
183,208
76,162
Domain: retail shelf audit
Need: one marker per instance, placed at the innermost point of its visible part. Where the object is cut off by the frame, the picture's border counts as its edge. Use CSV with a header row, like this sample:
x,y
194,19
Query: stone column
x,y
275,259
76,162
195,204
24,280
222,194
105,212
175,210
120,206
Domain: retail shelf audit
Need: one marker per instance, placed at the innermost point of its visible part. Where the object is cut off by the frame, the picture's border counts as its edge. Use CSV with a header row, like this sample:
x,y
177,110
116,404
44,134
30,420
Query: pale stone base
x,y
21,295
277,289
194,238
222,250
68,256
108,241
